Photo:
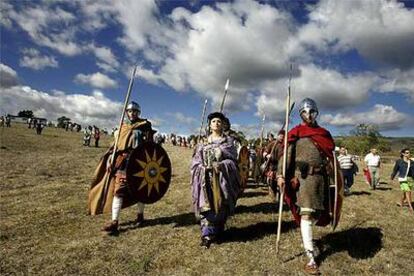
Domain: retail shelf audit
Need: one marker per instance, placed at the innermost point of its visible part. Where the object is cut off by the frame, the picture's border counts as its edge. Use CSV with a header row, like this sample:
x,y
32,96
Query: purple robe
x,y
212,222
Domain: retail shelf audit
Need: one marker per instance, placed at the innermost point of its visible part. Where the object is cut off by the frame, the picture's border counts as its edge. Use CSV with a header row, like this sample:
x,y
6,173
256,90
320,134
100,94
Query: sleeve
x,y
289,160
395,169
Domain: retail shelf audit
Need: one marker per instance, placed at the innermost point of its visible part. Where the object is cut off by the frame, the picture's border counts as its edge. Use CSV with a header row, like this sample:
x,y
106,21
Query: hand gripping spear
x,y
284,165
226,88
106,186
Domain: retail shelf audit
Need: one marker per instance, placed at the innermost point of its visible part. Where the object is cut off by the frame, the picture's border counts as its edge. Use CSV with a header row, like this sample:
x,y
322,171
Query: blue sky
x,y
74,58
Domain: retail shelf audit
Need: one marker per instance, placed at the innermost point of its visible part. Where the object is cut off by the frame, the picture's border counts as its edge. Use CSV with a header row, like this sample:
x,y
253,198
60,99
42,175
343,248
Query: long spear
x,y
202,119
226,88
274,146
261,133
131,82
284,165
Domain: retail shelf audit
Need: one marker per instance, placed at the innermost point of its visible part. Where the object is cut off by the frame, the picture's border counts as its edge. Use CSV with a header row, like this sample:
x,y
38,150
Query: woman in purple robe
x,y
215,180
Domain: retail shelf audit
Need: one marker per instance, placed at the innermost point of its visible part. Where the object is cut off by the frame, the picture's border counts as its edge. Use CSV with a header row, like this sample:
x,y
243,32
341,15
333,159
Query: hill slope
x,y
45,228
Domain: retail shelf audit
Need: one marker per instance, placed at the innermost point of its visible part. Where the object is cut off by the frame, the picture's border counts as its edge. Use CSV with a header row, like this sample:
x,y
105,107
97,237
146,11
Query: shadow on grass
x,y
180,220
360,243
254,185
359,193
265,208
383,188
253,194
254,231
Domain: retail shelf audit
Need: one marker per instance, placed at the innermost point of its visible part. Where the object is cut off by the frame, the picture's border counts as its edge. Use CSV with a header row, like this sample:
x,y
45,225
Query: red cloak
x,y
323,140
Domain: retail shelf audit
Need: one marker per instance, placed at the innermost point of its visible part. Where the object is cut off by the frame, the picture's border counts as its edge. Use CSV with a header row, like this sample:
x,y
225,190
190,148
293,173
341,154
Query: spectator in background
x,y
404,167
347,165
87,134
373,162
8,121
39,127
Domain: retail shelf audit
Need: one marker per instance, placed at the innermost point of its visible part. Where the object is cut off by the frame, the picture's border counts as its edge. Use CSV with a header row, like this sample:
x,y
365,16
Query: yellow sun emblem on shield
x,y
152,172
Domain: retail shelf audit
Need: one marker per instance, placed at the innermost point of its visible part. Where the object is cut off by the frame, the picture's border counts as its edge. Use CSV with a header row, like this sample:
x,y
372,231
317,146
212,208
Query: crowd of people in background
x,y
88,133
5,121
403,168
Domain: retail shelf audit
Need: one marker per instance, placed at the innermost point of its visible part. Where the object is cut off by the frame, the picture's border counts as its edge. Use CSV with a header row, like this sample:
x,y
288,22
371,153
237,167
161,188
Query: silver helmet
x,y
133,106
310,108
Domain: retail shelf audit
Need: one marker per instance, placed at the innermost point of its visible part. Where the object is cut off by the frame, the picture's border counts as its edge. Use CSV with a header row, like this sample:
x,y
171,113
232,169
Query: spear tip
x,y
227,84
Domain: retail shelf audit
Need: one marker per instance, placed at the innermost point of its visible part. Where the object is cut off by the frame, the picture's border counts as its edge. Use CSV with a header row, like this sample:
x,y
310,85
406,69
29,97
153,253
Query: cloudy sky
x,y
74,58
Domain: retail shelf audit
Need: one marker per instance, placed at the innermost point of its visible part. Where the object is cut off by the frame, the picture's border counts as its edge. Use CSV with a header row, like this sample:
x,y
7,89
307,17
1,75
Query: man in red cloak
x,y
307,182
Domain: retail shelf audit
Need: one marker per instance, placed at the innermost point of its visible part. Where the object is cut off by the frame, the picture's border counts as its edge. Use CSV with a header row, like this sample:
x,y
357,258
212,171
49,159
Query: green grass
x,y
45,229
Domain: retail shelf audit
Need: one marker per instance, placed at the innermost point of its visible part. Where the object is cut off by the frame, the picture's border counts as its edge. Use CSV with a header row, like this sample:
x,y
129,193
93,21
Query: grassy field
x,y
45,229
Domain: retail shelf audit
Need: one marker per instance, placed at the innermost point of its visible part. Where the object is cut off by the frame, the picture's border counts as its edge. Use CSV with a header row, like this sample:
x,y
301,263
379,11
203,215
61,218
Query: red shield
x,y
148,172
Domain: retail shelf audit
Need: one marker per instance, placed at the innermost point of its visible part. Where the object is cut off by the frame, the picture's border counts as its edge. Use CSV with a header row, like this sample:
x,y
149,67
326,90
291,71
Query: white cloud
x,y
106,59
180,118
329,88
384,116
147,75
8,77
95,109
254,130
380,30
192,53
97,14
97,79
34,60
47,26
398,81
138,20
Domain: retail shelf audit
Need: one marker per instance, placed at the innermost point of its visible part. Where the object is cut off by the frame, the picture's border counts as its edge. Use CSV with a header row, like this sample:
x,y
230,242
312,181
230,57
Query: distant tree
x,y
62,121
364,137
25,113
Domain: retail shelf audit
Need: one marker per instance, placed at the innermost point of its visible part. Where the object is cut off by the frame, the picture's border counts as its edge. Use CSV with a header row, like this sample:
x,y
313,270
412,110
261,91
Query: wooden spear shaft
x,y
284,165
202,119
131,82
261,133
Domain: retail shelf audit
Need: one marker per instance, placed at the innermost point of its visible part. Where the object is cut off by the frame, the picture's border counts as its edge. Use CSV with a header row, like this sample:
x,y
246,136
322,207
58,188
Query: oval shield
x,y
336,195
149,172
243,162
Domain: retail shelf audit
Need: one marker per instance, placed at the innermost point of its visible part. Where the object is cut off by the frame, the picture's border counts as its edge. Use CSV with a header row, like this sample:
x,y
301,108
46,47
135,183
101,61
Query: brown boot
x,y
139,220
312,269
111,226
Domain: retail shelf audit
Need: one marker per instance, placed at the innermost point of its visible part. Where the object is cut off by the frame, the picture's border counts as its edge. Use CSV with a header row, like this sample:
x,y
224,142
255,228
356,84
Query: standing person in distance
x,y
373,163
404,168
347,165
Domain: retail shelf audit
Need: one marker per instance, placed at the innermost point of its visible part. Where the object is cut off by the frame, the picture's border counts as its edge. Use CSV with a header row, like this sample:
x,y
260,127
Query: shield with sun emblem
x,y
148,172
